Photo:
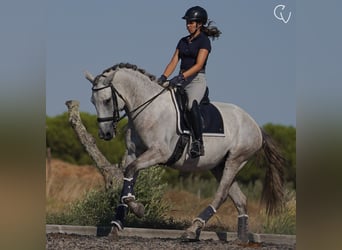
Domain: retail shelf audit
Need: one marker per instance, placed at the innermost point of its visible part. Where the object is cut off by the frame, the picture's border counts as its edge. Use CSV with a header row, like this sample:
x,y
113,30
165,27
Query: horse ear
x,y
89,77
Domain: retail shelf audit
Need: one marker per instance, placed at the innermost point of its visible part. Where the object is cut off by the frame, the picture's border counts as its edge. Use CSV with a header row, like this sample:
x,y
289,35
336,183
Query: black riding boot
x,y
197,148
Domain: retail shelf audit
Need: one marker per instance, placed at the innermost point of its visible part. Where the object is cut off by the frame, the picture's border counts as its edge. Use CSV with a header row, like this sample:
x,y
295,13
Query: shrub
x,y
97,207
285,222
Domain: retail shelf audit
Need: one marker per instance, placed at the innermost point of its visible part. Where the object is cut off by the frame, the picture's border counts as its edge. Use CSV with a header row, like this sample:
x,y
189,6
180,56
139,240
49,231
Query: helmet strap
x,y
192,35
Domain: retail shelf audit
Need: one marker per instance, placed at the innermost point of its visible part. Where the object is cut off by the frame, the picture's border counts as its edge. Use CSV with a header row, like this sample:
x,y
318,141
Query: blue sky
x,y
252,64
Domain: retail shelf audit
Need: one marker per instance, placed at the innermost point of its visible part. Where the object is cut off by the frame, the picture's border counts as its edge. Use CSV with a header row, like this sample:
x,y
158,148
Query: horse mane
x,y
130,66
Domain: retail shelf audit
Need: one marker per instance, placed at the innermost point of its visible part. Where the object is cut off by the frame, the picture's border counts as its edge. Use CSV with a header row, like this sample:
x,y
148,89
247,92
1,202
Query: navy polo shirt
x,y
188,51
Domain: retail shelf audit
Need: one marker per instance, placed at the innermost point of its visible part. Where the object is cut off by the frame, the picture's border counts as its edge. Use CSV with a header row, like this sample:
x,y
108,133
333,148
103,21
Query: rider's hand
x,y
177,81
162,79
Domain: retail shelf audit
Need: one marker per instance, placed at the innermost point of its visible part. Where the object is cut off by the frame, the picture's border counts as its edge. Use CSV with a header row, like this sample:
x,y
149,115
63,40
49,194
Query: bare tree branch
x,y
111,173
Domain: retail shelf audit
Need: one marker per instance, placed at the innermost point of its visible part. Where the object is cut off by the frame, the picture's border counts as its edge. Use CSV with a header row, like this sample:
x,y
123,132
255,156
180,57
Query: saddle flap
x,y
212,121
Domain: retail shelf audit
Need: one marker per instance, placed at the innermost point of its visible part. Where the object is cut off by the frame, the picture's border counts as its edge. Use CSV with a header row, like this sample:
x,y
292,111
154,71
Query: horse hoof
x,y
114,234
243,239
137,208
188,236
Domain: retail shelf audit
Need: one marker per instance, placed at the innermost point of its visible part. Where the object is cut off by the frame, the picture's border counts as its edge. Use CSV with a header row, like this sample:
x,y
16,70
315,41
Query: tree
x,y
64,144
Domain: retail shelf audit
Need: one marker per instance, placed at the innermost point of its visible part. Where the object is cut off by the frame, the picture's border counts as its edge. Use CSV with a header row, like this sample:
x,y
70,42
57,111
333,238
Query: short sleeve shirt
x,y
188,51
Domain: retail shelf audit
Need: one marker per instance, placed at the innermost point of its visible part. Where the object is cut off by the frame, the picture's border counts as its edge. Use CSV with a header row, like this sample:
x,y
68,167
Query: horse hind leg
x,y
240,202
193,232
229,171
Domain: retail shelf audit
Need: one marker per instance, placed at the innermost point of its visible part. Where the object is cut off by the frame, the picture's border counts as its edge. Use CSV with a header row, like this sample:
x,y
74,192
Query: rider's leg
x,y
195,91
197,148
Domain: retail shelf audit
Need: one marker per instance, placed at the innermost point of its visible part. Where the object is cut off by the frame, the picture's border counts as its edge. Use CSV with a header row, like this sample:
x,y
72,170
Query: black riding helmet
x,y
197,14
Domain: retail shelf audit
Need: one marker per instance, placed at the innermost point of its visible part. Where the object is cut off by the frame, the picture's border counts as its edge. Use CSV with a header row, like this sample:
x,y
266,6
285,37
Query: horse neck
x,y
134,87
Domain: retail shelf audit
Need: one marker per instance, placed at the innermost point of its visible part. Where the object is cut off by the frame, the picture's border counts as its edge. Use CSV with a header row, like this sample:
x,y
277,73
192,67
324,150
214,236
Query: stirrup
x,y
197,149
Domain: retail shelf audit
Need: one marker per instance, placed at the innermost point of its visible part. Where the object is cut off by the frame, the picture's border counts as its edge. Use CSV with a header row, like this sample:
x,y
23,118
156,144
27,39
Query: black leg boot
x,y
197,148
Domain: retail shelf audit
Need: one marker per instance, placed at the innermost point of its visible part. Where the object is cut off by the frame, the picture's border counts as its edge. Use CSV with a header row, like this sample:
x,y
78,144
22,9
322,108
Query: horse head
x,y
106,102
116,89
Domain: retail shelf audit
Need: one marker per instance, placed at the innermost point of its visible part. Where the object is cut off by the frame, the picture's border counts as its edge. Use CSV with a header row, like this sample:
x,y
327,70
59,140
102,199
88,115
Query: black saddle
x,y
212,122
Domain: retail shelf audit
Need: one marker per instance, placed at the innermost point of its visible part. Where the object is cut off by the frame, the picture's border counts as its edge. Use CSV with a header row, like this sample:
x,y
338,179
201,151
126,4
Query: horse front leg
x,y
150,157
130,155
122,208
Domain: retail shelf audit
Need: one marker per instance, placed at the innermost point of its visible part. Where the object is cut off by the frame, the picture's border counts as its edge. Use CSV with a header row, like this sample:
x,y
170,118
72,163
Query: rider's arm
x,y
172,64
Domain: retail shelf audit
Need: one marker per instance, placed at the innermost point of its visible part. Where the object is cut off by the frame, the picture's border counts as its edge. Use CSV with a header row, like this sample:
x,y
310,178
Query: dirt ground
x,y
64,241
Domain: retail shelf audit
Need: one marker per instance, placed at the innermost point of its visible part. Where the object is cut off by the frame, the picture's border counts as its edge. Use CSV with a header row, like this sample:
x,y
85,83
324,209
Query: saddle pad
x,y
212,121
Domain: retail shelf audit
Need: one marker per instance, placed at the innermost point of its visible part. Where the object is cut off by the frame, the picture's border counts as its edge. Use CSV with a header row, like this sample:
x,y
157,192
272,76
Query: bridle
x,y
116,116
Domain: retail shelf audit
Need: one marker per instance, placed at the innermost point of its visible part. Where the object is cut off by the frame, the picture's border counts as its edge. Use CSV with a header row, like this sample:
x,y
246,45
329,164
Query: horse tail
x,y
273,187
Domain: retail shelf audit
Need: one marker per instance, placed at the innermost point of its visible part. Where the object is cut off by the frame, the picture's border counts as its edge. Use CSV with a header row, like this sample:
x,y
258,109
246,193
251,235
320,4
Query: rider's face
x,y
192,26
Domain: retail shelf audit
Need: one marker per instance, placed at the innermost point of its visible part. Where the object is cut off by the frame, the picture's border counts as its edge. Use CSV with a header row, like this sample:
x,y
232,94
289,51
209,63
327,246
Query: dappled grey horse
x,y
152,137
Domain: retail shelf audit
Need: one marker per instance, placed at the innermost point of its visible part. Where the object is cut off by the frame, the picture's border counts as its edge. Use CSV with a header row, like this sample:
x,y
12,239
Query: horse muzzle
x,y
106,134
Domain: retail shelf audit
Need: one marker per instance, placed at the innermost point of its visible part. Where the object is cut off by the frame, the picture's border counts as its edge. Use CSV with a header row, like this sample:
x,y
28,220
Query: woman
x,y
193,51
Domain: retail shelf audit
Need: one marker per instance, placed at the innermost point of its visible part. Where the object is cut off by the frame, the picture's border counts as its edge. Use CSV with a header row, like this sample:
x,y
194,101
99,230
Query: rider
x,y
193,51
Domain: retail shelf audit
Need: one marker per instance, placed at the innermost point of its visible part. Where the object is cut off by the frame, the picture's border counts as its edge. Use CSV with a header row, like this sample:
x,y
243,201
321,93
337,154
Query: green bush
x,y
285,221
97,207
92,210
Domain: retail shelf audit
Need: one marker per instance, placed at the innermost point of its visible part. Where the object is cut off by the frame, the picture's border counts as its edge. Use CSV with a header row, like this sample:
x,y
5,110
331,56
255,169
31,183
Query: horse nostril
x,y
108,135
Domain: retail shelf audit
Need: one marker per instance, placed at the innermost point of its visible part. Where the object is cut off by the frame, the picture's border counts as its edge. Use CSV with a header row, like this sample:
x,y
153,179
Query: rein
x,y
145,104
116,116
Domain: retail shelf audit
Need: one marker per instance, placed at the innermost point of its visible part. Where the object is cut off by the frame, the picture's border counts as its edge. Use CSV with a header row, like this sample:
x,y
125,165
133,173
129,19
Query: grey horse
x,y
152,137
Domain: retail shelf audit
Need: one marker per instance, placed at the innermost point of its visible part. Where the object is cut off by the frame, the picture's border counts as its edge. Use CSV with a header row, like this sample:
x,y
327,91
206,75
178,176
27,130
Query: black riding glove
x,y
161,79
177,81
